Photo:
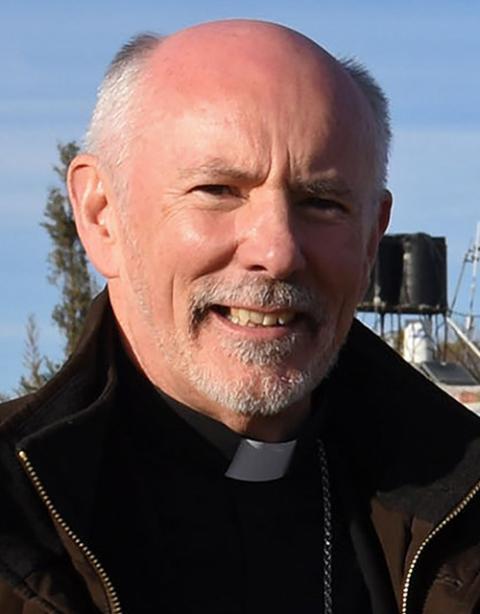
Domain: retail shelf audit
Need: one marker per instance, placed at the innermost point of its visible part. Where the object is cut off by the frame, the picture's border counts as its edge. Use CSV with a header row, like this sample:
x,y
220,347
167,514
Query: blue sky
x,y
52,56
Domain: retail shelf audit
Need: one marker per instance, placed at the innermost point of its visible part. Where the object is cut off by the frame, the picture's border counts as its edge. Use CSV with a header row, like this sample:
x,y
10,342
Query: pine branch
x,y
34,377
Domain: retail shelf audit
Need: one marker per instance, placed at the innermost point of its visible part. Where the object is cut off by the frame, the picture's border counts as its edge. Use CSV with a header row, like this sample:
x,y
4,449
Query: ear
x,y
377,229
93,204
380,224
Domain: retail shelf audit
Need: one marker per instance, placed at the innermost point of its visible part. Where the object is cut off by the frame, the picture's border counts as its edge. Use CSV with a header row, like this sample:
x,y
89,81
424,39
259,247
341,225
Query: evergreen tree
x,y
69,271
68,263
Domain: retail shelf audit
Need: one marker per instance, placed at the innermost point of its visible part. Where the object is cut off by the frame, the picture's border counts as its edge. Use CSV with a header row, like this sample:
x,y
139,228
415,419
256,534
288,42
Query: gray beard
x,y
268,389
264,392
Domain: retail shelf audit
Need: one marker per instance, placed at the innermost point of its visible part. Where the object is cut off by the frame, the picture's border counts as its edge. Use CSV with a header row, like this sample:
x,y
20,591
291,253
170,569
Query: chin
x,y
263,393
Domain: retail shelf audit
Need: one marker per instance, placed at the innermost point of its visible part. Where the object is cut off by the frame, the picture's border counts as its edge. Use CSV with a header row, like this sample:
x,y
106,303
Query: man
x,y
205,449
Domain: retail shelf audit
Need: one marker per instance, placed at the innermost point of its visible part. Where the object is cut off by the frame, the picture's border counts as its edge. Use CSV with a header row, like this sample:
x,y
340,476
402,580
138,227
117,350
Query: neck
x,y
283,426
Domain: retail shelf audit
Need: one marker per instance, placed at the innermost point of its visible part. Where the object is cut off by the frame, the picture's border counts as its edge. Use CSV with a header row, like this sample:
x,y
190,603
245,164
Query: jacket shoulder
x,y
387,373
10,408
79,373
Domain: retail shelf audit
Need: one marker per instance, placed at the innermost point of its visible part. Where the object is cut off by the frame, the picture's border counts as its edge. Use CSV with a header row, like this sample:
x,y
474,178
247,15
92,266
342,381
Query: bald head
x,y
226,58
227,50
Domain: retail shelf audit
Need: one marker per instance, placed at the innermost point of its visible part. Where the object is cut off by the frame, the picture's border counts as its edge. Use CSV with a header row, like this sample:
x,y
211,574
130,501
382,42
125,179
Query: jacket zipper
x,y
110,592
433,533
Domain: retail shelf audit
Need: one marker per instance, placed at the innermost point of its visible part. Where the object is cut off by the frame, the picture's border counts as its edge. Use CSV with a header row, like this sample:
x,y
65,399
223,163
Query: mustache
x,y
259,292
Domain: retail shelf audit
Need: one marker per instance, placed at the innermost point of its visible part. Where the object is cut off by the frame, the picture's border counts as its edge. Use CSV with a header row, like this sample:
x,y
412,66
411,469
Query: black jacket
x,y
412,455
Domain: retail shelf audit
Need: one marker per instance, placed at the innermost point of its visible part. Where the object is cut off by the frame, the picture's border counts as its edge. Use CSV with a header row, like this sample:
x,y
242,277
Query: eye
x,y
327,205
215,189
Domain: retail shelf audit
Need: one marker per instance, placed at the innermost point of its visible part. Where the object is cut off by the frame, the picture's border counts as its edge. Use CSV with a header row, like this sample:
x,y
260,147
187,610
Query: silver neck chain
x,y
327,530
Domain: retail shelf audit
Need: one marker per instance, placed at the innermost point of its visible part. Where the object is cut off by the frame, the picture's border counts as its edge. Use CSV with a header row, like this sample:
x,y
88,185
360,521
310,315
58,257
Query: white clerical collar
x,y
258,461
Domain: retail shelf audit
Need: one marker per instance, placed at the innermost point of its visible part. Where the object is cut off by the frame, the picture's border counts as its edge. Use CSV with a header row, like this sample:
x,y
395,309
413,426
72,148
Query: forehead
x,y
244,140
219,95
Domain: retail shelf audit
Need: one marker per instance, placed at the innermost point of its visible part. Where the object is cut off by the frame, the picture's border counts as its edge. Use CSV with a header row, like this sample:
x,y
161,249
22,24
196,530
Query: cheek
x,y
339,258
172,254
198,242
341,272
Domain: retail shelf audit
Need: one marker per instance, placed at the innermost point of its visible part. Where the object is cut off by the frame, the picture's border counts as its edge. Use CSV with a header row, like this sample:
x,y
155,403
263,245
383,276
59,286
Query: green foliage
x,y
38,369
68,263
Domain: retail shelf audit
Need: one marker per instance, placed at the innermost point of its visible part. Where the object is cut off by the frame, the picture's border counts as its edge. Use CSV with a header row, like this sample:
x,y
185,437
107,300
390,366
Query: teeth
x,y
256,317
243,316
248,317
269,319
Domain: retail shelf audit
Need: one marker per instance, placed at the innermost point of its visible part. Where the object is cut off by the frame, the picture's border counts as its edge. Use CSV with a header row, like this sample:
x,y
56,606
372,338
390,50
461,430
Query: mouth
x,y
260,308
254,318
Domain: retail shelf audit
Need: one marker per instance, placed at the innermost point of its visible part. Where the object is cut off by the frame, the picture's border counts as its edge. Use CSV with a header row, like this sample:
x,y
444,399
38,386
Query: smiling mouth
x,y
253,319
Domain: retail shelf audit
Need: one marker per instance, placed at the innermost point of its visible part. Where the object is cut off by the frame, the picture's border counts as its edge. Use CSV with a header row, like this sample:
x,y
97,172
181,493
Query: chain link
x,y
327,530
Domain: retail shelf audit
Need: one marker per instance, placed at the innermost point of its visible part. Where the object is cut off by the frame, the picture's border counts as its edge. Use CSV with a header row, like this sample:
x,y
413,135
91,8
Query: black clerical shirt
x,y
176,535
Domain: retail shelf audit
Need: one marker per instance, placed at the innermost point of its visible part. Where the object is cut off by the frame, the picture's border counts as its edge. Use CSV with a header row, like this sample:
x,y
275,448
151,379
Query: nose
x,y
267,239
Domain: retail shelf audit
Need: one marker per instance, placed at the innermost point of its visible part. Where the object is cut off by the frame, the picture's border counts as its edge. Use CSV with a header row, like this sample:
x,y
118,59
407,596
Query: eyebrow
x,y
218,169
334,186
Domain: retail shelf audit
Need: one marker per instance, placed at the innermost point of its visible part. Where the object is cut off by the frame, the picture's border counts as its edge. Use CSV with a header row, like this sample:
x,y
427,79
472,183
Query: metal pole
x,y
470,320
461,335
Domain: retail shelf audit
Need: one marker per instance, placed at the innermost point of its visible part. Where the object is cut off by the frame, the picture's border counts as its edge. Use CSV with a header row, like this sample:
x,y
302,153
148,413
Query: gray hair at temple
x,y
108,134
